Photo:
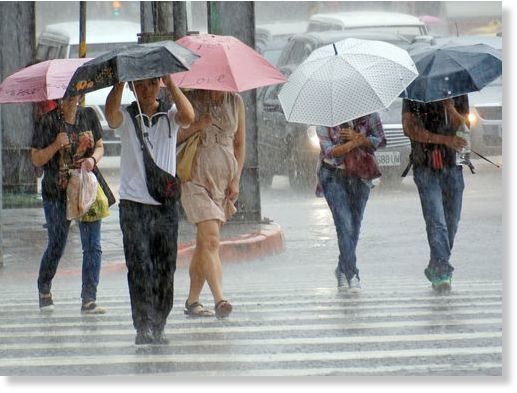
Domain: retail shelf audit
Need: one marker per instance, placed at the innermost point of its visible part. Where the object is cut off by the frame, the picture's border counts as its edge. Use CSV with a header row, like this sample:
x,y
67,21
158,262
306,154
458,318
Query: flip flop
x,y
196,309
223,308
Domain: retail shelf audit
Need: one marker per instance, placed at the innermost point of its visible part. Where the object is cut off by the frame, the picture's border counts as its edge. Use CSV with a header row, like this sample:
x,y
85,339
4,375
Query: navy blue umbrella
x,y
450,70
129,63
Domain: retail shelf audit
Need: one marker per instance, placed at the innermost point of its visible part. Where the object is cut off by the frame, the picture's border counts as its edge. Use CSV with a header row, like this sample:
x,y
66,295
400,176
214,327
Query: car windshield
x,y
295,53
272,55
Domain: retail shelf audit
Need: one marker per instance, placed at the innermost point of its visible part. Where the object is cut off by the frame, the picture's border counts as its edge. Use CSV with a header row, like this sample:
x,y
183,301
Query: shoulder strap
x,y
132,110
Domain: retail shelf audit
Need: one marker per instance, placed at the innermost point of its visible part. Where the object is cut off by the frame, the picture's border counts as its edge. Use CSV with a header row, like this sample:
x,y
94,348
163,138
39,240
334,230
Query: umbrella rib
x,y
363,78
304,84
462,66
228,63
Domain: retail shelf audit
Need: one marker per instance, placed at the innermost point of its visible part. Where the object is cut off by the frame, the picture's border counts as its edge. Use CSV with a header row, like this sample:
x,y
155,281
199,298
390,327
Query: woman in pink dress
x,y
209,197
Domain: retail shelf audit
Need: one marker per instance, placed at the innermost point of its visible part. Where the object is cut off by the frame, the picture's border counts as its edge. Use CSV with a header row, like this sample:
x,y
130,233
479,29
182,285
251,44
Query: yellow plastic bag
x,y
185,158
99,209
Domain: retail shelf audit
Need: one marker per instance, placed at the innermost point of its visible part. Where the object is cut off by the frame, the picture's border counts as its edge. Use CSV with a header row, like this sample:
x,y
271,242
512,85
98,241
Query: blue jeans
x,y
57,228
346,197
441,194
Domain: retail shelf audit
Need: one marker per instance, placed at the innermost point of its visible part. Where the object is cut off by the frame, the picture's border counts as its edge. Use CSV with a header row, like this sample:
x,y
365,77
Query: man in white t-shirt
x,y
149,228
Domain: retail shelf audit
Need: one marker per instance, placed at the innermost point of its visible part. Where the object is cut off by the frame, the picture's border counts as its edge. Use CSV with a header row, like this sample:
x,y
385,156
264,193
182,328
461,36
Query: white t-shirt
x,y
162,147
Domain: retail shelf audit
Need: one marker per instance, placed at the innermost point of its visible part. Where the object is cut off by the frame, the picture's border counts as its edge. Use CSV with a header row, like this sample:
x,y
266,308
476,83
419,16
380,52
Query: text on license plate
x,y
388,158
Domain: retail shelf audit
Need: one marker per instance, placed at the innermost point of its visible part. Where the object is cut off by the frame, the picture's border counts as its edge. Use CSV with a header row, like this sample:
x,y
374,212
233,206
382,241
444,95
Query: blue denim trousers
x,y
57,228
346,197
441,195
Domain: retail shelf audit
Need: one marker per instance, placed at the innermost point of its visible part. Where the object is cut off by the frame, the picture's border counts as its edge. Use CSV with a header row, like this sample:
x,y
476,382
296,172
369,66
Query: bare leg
x,y
197,277
207,246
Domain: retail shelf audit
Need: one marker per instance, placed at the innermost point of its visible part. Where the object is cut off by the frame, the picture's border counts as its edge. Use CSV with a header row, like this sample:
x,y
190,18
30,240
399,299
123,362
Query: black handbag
x,y
162,186
104,185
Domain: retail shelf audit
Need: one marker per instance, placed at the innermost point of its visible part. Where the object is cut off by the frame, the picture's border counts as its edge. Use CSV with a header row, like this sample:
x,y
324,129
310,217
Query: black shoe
x,y
143,337
92,308
45,302
159,338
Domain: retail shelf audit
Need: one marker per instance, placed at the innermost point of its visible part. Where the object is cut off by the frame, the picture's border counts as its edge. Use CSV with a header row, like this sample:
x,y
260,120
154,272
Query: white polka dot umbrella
x,y
346,80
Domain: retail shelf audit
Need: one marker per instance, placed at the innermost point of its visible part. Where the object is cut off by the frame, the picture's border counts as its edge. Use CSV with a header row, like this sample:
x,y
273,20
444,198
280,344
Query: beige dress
x,y
204,197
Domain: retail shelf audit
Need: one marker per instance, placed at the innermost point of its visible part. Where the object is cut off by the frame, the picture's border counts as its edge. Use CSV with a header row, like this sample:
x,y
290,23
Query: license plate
x,y
388,158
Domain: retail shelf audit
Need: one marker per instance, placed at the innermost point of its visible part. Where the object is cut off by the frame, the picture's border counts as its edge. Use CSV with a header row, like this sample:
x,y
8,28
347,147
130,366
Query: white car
x,y
407,26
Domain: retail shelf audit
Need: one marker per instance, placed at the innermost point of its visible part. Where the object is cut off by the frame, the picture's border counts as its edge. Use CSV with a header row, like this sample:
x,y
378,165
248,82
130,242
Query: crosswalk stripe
x,y
124,311
279,319
402,338
329,371
224,327
308,298
246,358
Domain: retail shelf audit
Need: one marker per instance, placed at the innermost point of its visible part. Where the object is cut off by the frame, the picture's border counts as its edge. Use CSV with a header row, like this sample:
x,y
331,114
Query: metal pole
x,y
82,29
1,196
146,17
82,34
179,16
162,16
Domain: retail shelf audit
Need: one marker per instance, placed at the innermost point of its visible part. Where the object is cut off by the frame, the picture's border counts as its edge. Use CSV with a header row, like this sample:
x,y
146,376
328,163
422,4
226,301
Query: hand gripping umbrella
x,y
346,80
129,63
450,70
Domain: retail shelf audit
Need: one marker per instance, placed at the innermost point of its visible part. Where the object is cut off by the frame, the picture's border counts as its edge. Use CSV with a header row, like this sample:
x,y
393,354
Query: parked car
x,y
270,38
61,40
291,148
405,25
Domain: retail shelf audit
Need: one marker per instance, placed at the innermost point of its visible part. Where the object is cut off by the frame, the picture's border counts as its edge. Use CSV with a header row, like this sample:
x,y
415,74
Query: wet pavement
x,y
289,318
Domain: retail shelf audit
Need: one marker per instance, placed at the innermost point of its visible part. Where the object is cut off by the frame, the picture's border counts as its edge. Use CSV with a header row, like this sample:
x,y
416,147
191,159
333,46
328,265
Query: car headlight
x,y
473,119
313,137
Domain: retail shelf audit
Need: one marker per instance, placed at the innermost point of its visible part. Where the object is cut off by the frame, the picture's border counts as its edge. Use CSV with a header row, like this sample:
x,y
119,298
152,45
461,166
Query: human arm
x,y
90,162
239,148
203,122
112,109
40,157
455,117
185,114
415,131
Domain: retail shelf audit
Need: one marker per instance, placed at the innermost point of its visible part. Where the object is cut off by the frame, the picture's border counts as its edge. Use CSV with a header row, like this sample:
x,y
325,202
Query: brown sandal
x,y
223,308
196,309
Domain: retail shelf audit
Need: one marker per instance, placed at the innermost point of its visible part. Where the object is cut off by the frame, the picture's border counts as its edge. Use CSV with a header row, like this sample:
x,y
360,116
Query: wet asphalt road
x,y
289,318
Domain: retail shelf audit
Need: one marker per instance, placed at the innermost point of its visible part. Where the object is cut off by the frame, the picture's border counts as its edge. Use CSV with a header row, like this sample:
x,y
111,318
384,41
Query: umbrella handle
x,y
139,109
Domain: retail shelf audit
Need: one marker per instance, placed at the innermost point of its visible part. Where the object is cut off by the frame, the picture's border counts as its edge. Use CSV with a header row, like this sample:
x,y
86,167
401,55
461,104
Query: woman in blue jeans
x,y
67,137
347,195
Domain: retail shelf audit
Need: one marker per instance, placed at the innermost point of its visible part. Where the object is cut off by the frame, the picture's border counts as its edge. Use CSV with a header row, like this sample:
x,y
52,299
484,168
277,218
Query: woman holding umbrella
x,y
69,136
209,197
347,193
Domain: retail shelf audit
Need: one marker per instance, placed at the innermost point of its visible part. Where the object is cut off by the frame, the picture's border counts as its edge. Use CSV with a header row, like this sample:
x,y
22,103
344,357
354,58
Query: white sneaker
x,y
354,285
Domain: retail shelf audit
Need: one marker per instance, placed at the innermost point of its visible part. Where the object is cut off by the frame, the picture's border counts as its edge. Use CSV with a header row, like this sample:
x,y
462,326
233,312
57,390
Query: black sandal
x,y
223,308
196,309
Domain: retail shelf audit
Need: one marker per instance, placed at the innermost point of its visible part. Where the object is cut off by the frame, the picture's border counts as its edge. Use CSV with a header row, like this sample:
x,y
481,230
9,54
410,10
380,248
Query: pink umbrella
x,y
226,64
39,82
430,20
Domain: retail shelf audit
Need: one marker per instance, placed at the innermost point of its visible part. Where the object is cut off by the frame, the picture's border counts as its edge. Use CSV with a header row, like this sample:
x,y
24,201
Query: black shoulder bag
x,y
93,120
162,186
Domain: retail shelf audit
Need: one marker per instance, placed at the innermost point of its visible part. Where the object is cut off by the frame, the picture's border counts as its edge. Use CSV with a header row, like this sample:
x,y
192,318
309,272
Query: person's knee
x,y
209,242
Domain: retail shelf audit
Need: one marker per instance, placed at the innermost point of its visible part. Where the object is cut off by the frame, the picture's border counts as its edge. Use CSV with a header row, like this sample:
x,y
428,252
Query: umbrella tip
x,y
335,49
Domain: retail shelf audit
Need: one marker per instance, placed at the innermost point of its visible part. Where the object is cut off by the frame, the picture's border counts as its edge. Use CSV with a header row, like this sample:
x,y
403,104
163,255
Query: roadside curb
x,y
269,240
